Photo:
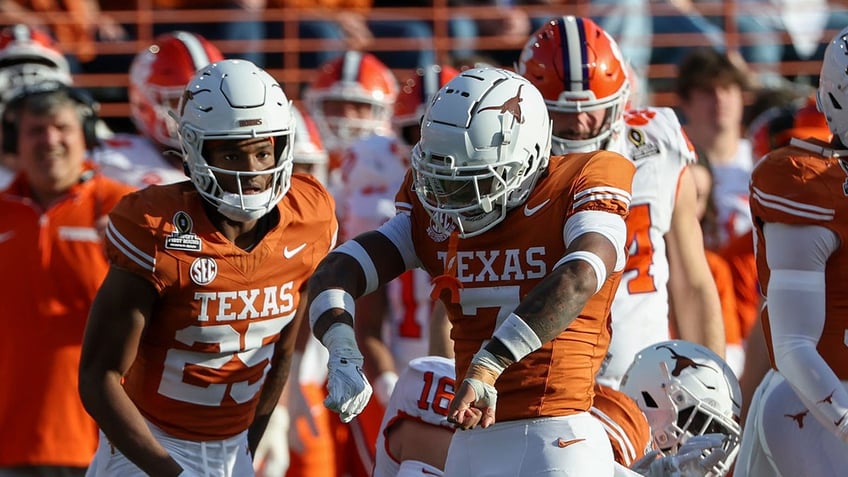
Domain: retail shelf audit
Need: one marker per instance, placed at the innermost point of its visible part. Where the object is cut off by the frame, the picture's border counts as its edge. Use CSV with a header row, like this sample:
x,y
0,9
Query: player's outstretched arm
x,y
357,267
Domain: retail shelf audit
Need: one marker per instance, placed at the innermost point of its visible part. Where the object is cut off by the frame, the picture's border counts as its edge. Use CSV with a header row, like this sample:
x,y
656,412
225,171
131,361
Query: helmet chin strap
x,y
244,208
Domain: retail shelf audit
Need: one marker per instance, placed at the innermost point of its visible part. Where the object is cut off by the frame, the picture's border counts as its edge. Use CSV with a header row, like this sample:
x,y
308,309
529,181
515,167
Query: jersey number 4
x,y
641,250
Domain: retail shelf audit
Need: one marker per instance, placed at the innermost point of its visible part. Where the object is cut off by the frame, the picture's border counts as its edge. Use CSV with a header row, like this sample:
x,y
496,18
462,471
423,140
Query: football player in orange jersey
x,y
51,247
189,340
526,253
798,420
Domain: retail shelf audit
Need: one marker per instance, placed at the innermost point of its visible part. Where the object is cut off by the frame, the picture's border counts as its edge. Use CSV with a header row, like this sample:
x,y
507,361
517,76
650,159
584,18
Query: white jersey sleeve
x,y
136,161
372,171
423,393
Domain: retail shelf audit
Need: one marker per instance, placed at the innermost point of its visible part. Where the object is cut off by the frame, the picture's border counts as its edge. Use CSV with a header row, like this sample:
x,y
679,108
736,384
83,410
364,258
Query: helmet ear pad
x,y
88,113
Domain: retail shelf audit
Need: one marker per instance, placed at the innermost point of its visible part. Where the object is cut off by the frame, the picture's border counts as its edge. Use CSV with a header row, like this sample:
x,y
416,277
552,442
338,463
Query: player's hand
x,y
348,391
272,454
476,399
694,458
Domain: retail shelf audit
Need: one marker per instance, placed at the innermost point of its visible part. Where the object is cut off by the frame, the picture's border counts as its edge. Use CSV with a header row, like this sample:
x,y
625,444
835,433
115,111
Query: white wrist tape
x,y
329,299
593,260
353,249
517,337
488,360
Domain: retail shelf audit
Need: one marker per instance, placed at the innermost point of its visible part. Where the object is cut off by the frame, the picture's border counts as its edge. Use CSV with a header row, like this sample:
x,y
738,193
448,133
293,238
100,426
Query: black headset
x,y
13,109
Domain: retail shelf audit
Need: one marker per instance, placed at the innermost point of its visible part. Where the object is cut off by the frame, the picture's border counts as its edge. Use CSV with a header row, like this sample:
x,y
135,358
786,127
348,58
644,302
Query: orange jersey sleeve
x,y
208,347
794,186
627,427
497,269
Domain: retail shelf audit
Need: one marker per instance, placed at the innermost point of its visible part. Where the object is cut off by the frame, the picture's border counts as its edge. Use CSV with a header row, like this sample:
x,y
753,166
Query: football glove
x,y
348,391
691,460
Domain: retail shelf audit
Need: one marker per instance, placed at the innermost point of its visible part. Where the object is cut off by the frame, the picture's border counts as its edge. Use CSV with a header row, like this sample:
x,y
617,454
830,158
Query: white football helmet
x,y
235,99
29,56
485,140
686,390
832,94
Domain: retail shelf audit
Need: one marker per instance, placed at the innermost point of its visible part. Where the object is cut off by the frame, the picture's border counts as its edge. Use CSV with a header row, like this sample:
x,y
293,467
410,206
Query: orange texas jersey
x,y
627,427
792,185
497,269
207,349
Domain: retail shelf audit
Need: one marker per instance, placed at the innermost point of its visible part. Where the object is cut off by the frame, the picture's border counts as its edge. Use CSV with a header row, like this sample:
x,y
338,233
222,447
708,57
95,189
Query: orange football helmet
x,y
355,78
578,67
309,153
158,75
775,127
29,56
415,94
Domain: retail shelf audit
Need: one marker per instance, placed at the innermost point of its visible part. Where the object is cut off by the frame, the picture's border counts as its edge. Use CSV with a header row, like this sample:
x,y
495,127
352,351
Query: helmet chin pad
x,y
247,207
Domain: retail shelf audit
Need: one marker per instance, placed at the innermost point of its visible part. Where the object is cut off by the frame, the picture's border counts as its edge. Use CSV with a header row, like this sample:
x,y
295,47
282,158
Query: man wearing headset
x,y
52,256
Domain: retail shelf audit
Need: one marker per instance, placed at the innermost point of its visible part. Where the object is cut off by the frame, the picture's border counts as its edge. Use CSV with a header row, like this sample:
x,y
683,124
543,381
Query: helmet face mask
x,y
686,390
158,76
485,140
578,67
236,100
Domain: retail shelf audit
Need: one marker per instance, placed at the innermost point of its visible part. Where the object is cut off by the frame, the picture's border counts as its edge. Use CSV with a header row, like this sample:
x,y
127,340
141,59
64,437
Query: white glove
x,y
347,388
272,454
690,460
384,385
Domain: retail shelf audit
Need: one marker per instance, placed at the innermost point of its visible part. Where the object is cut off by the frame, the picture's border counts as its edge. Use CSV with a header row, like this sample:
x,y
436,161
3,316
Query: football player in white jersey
x,y
417,414
158,75
579,70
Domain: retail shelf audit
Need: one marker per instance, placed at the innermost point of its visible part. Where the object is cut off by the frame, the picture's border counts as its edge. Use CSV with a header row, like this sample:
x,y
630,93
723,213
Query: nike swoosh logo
x,y
565,443
530,211
6,236
291,253
427,472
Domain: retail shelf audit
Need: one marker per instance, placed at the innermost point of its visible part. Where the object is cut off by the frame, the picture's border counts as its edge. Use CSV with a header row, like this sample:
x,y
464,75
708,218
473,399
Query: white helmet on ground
x,y
686,390
235,99
832,95
485,140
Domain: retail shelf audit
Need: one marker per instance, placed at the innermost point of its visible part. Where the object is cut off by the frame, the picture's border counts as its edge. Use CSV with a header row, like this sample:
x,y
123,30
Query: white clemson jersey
x,y
373,171
423,393
135,160
654,140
